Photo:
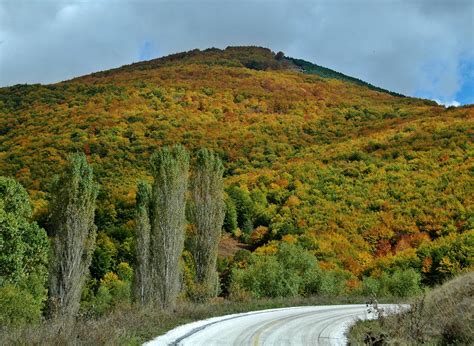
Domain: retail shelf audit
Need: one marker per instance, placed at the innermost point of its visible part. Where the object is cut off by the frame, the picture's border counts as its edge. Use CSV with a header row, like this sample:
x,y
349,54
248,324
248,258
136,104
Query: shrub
x,y
18,306
112,292
333,282
266,277
370,287
290,272
402,283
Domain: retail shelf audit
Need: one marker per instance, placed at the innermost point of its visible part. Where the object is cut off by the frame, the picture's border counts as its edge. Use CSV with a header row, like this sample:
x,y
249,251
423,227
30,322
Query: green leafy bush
x,y
18,306
402,283
333,282
291,271
114,290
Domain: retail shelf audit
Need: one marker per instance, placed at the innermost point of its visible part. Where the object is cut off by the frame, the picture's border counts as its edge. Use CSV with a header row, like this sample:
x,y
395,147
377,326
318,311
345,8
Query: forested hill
x,y
366,180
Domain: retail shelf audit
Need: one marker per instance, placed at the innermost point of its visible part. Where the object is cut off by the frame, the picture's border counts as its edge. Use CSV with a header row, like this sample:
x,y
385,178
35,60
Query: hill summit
x,y
368,181
252,57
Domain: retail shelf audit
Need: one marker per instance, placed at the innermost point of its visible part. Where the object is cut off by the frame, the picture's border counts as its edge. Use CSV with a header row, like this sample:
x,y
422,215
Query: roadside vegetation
x,y
131,324
442,316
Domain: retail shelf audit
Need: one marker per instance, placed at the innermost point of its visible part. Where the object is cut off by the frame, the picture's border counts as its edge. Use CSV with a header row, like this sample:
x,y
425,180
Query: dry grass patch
x,y
444,316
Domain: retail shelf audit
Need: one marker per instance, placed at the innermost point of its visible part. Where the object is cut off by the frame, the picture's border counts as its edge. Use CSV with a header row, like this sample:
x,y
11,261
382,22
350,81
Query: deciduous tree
x,y
23,257
170,169
207,209
74,233
143,288
161,220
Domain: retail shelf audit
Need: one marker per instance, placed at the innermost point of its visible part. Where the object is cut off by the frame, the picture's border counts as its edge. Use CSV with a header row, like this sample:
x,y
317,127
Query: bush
x,y
290,272
266,277
370,287
333,283
113,291
100,303
18,306
402,283
405,283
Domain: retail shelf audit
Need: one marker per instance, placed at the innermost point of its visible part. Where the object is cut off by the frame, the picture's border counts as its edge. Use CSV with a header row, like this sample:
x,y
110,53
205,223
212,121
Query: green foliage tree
x,y
142,286
24,251
163,215
207,210
74,234
104,256
170,169
447,256
230,219
244,206
113,290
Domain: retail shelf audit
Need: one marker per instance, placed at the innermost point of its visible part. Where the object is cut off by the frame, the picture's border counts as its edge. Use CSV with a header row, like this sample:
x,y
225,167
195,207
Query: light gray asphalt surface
x,y
309,325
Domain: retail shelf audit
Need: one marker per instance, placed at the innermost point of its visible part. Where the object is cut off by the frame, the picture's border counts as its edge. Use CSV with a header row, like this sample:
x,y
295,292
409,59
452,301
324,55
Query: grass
x,y
444,316
131,325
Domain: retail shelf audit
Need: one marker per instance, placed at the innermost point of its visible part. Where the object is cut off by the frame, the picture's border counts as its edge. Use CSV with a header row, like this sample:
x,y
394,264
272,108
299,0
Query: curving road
x,y
309,325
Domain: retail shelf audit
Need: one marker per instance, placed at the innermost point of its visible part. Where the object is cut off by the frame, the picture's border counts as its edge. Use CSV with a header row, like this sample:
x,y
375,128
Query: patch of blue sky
x,y
147,51
465,94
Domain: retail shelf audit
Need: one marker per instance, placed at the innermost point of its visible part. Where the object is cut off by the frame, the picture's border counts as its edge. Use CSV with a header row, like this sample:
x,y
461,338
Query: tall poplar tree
x,y
207,209
163,217
74,233
143,289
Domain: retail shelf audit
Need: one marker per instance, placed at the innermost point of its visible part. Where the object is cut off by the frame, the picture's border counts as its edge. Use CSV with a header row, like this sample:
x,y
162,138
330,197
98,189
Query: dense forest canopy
x,y
367,181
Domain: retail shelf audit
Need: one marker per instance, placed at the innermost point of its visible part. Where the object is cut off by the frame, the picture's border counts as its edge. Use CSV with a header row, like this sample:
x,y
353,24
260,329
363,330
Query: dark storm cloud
x,y
413,47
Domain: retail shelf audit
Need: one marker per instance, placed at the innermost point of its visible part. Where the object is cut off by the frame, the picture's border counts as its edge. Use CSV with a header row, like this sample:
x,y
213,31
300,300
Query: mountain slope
x,y
367,180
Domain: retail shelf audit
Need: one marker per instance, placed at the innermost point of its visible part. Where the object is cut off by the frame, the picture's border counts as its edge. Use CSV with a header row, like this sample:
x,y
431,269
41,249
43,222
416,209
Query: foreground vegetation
x,y
133,324
443,316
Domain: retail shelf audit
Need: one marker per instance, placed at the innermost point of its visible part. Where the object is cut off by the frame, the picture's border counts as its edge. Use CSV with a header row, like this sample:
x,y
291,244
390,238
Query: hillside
x,y
366,180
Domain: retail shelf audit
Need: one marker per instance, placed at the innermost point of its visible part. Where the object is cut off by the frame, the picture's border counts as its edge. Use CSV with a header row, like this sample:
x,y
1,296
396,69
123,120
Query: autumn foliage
x,y
368,182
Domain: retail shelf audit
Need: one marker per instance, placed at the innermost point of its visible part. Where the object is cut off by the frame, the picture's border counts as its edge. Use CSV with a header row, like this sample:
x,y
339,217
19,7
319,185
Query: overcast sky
x,y
416,47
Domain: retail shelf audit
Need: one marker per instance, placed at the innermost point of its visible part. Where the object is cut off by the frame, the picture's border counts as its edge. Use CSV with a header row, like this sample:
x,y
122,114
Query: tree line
x,y
162,210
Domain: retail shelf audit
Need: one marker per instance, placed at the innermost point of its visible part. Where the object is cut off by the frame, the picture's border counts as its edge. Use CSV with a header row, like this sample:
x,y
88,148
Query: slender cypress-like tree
x,y
170,172
142,279
160,240
207,209
74,233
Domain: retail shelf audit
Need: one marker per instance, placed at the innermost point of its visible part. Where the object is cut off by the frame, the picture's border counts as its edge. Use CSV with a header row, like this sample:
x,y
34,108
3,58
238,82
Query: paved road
x,y
310,325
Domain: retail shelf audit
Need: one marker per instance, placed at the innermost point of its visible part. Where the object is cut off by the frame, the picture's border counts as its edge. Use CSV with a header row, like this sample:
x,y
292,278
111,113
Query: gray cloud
x,y
410,46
